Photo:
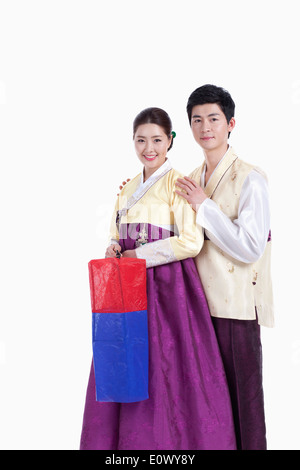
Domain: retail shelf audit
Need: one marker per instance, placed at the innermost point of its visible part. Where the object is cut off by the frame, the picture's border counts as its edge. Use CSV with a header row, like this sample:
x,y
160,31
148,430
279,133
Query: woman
x,y
189,405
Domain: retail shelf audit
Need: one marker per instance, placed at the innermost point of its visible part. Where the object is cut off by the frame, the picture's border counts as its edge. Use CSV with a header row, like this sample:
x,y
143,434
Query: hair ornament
x,y
173,134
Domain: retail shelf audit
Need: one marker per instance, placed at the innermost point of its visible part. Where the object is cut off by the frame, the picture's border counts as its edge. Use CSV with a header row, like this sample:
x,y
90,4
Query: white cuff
x,y
156,253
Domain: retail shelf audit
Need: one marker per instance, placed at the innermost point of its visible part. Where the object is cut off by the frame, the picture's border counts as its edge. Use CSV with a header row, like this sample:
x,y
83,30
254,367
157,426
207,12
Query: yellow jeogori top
x,y
155,202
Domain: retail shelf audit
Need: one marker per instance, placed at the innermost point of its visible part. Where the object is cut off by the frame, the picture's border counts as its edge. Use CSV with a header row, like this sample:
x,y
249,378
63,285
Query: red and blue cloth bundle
x,y
120,329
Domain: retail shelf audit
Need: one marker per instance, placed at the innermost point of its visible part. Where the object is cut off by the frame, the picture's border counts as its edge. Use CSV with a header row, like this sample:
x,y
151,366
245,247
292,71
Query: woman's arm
x,y
185,245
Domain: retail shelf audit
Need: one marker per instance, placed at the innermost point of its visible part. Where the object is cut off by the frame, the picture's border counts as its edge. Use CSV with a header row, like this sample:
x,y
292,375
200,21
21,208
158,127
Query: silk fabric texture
x,y
189,405
238,217
245,237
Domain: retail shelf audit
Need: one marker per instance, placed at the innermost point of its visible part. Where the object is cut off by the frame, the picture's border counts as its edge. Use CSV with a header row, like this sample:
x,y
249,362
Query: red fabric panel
x,y
118,285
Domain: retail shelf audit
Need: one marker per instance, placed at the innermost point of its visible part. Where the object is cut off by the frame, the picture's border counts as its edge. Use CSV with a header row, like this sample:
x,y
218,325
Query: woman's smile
x,y
150,158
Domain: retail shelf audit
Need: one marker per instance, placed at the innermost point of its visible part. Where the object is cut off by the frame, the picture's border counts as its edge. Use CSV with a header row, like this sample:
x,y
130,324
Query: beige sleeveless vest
x,y
234,289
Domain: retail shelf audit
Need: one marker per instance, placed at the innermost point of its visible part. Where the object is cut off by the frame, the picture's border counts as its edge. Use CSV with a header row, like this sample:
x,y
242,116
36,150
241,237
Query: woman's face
x,y
151,145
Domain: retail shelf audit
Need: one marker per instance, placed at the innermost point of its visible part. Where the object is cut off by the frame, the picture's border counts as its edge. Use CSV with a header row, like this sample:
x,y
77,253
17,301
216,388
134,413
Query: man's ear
x,y
231,124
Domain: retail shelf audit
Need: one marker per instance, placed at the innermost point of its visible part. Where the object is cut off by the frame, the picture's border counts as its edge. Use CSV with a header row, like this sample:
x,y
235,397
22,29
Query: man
x,y
230,197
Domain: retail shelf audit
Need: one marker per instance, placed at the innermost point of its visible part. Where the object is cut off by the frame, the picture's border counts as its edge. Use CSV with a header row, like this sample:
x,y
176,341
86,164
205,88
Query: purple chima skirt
x,y
189,405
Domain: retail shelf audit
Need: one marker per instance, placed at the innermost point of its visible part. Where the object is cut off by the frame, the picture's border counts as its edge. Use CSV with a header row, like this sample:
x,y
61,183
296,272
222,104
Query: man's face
x,y
210,127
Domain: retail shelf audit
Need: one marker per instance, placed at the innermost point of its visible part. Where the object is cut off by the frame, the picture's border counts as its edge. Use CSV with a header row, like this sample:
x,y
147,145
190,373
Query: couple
x,y
206,241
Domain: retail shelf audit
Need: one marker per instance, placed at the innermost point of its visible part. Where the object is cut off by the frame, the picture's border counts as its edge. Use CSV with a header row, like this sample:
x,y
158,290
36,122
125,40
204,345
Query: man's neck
x,y
213,157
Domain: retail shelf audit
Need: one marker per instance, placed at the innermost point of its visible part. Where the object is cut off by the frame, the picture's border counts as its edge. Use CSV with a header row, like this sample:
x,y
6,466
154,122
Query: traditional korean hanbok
x,y
189,405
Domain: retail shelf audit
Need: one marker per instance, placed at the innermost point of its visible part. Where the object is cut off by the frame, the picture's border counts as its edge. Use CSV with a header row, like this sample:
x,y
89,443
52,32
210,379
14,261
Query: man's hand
x,y
194,194
123,184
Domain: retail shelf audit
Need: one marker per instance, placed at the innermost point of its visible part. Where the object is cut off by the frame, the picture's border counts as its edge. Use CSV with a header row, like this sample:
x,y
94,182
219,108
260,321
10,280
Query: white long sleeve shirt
x,y
244,238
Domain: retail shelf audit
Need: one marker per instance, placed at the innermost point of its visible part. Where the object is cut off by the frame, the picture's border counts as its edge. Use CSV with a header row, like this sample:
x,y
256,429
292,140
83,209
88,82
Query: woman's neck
x,y
147,172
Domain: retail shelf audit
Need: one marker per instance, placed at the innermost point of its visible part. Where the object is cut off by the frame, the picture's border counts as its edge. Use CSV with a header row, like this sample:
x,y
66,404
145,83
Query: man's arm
x,y
244,238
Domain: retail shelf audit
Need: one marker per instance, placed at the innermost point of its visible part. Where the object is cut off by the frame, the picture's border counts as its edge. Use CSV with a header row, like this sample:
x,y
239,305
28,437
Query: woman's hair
x,y
211,94
154,116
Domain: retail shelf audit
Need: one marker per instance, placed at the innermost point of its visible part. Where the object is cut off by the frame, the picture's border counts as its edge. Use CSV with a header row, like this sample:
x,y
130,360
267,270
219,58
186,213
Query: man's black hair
x,y
211,94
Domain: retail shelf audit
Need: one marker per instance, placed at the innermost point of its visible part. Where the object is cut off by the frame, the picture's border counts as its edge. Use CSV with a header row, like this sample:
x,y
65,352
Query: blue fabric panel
x,y
120,354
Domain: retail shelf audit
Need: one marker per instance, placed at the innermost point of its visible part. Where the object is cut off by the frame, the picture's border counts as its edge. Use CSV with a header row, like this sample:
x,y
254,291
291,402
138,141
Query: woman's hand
x,y
123,184
111,251
194,194
129,254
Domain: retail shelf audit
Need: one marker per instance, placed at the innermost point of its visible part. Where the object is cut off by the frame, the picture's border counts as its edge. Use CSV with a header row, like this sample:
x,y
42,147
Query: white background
x,y
73,75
